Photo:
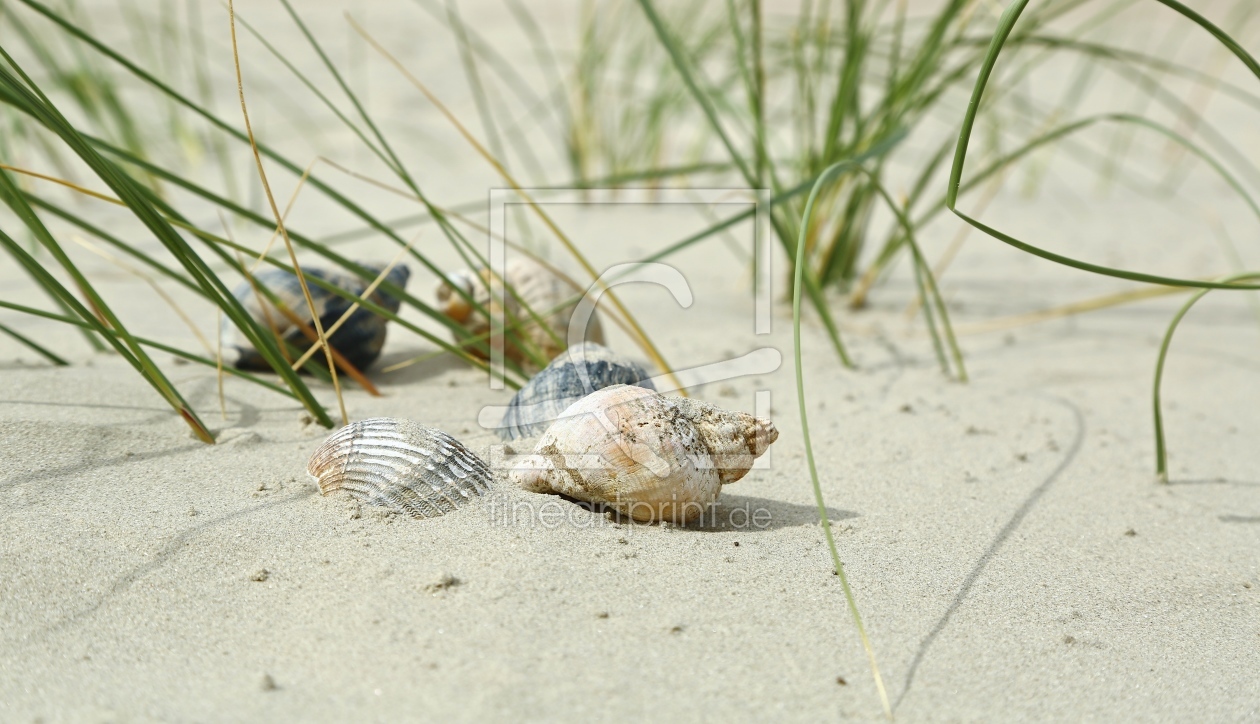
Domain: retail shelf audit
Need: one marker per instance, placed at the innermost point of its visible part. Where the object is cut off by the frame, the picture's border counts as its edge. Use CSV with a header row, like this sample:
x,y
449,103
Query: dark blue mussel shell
x,y
359,340
562,383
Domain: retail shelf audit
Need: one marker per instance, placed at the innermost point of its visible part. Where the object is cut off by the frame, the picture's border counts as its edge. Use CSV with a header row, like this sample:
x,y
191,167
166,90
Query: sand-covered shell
x,y
401,465
359,340
576,373
533,287
647,456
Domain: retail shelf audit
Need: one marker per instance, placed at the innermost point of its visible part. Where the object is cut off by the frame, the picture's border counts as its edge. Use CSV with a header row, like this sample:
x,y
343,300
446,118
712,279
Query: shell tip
x,y
530,474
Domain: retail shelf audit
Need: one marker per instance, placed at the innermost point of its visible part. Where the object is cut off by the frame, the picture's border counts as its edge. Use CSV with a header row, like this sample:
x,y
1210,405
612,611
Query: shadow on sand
x,y
421,371
742,513
167,553
1217,481
745,513
1002,536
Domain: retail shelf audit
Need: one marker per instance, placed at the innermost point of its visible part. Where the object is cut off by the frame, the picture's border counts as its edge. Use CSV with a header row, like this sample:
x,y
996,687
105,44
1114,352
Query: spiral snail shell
x,y
647,456
401,465
533,290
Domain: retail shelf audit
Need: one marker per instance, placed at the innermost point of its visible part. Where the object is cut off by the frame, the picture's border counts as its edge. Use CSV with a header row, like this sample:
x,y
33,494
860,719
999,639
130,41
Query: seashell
x,y
401,465
647,456
359,340
533,288
577,372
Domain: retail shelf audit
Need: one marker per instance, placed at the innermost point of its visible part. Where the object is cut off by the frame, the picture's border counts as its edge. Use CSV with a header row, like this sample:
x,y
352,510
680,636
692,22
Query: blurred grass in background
x,y
684,94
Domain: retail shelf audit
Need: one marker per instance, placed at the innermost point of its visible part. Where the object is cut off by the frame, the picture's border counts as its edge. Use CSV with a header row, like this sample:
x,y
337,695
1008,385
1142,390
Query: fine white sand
x,y
1009,548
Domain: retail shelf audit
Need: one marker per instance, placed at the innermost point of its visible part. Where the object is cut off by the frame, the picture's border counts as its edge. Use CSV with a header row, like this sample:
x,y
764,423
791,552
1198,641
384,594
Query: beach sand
x,y
1007,543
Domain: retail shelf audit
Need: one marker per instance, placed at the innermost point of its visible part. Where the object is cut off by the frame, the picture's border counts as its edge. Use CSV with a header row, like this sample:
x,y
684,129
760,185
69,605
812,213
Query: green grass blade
x,y
141,203
827,175
34,346
1161,449
1005,25
683,67
1097,269
297,238
123,345
212,364
115,242
314,180
16,201
1221,36
928,289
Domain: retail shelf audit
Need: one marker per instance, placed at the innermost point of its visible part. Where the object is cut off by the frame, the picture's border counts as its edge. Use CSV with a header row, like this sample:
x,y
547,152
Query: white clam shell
x,y
401,465
647,456
534,288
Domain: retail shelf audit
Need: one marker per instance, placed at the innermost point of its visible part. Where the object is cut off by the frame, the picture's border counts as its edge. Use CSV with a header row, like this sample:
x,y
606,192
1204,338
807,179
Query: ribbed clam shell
x,y
401,465
645,455
534,288
576,373
359,340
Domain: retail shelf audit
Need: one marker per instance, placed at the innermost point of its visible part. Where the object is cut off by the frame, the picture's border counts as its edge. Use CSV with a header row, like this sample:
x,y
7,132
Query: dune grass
x,y
1240,281
1161,447
142,186
832,172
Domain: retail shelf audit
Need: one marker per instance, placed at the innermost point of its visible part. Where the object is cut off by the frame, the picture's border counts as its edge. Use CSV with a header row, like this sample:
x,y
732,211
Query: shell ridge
x,y
583,369
401,465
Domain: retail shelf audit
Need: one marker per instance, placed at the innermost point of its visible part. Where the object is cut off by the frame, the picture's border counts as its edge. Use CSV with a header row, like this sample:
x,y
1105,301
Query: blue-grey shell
x,y
402,465
359,340
562,383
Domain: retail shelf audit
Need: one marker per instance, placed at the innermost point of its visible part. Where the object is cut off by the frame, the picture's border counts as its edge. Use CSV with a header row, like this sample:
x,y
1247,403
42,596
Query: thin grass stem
x,y
271,201
1161,449
824,520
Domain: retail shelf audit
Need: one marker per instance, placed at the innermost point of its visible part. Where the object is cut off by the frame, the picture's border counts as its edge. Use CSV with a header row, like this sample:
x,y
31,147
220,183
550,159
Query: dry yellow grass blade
x,y
284,216
1067,310
640,336
355,307
63,182
339,360
271,200
374,182
298,323
414,360
218,362
258,295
